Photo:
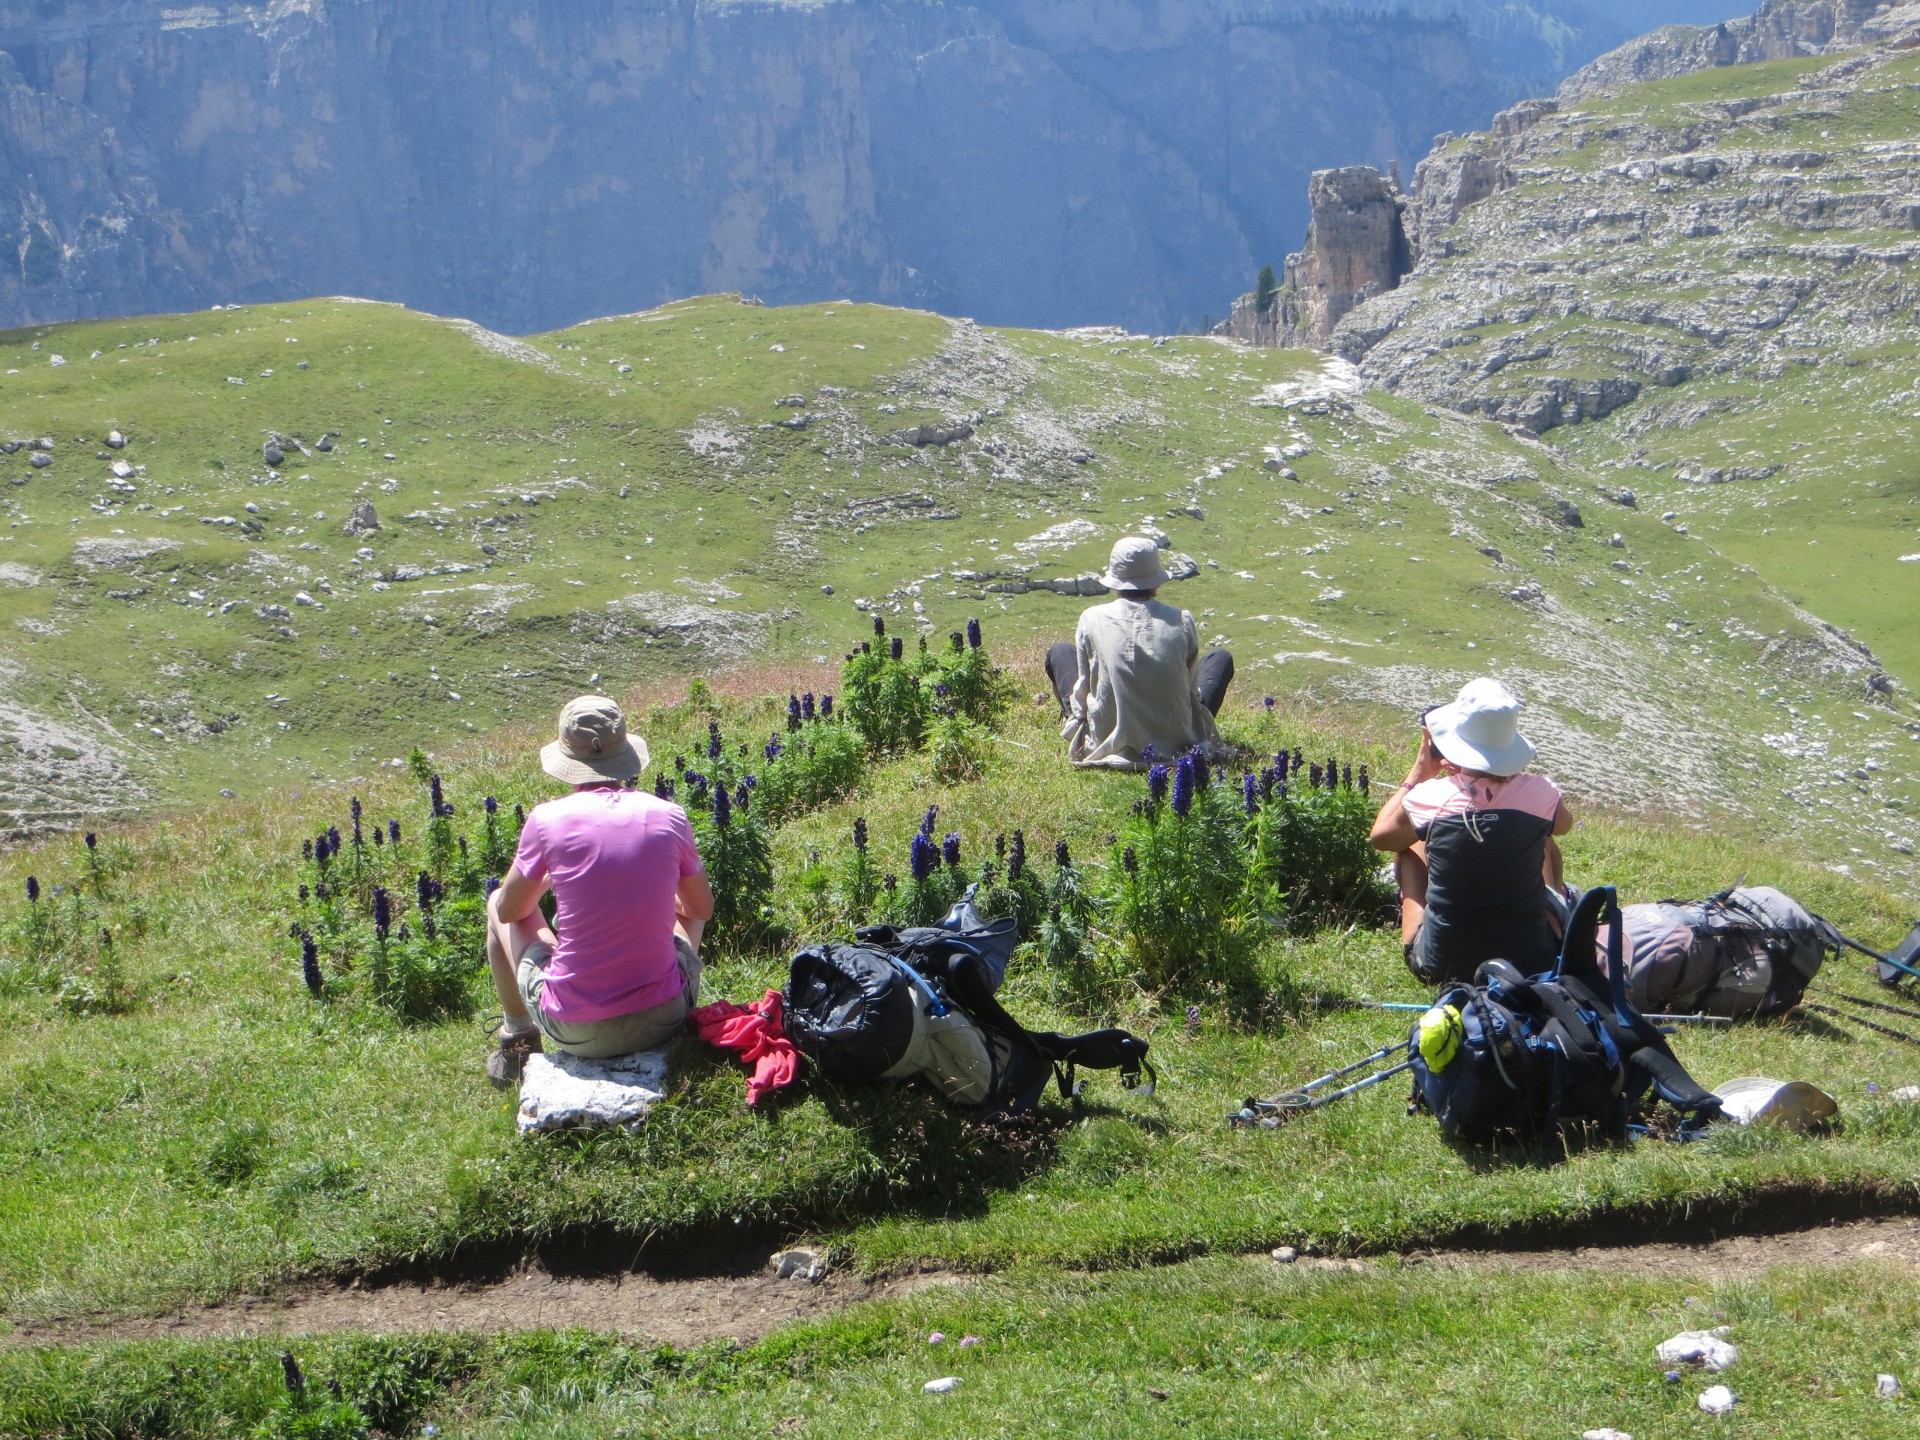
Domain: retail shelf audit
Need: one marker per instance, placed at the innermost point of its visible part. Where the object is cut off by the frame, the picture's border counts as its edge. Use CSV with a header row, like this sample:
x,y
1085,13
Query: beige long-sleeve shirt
x,y
1139,663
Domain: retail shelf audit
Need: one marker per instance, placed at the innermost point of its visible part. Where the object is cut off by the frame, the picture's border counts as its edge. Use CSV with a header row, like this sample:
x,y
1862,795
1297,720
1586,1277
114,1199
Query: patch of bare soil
x,y
1733,1257
677,1311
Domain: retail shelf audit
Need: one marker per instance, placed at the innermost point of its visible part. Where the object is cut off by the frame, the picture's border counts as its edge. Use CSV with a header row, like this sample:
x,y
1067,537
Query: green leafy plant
x,y
1178,882
739,859
1312,863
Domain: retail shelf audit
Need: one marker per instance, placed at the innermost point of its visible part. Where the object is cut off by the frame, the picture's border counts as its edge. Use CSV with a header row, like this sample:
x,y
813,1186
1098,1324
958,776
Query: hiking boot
x,y
508,1059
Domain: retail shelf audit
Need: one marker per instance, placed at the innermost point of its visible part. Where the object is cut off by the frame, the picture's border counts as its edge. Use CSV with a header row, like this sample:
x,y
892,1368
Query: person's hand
x,y
1427,763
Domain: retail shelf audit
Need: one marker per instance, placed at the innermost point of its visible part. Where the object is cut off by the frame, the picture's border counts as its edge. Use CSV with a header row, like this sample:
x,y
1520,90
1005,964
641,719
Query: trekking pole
x,y
1873,1025
1324,1003
1268,1114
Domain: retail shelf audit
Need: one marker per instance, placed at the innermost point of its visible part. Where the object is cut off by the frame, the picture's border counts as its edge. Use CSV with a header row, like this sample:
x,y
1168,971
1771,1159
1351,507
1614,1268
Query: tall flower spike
x,y
93,840
1346,776
1249,793
893,647
333,840
860,833
826,707
1017,857
1129,862
1157,783
956,641
922,856
1333,772
379,837
1268,702
1202,774
773,748
310,964
793,712
950,851
1366,781
423,892
491,805
722,807
926,821
1282,763
1148,755
437,796
1061,857
1183,784
1313,777
889,882
33,889
393,827
973,634
806,706
742,794
714,745
382,911
353,808
663,788
880,629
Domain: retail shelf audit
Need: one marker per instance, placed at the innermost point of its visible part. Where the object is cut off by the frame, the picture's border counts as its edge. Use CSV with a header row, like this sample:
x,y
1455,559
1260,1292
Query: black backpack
x,y
899,1004
1516,1055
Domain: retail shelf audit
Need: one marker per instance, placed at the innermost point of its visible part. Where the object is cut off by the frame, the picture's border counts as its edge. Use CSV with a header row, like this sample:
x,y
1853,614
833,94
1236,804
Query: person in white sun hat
x,y
1472,835
631,898
1135,676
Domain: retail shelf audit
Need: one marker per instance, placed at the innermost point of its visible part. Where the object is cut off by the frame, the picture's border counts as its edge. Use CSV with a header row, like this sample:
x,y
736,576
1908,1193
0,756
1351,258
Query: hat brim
x,y
621,764
1509,760
1795,1104
1139,582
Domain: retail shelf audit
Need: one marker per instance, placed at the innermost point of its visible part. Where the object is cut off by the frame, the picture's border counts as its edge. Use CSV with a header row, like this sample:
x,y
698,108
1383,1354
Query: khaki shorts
x,y
619,1034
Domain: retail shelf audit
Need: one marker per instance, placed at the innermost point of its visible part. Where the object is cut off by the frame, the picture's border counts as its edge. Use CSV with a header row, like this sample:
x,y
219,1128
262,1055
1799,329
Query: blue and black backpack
x,y
1516,1055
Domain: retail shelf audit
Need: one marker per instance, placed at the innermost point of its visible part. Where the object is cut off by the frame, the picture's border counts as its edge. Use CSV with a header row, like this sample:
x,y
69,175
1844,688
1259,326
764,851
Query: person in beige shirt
x,y
1135,676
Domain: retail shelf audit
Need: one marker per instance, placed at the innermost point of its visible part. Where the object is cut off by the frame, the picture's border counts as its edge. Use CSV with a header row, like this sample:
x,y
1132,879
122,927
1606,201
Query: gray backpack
x,y
1749,951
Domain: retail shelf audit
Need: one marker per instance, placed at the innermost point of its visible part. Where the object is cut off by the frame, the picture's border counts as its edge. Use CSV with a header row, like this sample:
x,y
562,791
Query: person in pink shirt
x,y
631,899
1473,841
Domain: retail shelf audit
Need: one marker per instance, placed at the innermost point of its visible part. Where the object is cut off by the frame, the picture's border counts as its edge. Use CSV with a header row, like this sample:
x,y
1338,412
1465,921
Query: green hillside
x,y
675,491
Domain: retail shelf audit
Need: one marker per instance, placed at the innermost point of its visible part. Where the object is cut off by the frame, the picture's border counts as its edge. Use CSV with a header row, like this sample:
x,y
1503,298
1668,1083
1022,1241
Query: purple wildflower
x,y
1183,783
1299,758
1149,755
923,857
303,894
1017,857
493,883
663,787
1157,783
773,748
1202,773
93,840
1314,775
880,630
956,642
806,706
353,808
742,793
950,851
793,712
33,889
1282,763
379,837
425,892
860,833
333,840
1060,856
1366,781
926,821
1346,776
941,692
306,849
826,707
714,747
491,805
1249,793
1333,772
722,807
889,882
382,911
393,827
437,795
973,634
310,964
1268,702
893,647
1129,862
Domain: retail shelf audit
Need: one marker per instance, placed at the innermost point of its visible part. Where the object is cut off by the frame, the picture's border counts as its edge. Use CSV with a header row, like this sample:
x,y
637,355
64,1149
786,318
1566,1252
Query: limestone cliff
x,y
1042,161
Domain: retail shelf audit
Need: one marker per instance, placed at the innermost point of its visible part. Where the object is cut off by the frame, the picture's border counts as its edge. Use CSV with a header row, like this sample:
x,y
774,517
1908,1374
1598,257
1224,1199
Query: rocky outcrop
x,y
1356,249
1044,162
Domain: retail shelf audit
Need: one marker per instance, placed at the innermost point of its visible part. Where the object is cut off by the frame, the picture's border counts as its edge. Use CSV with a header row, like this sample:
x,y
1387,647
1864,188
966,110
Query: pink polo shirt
x,y
615,859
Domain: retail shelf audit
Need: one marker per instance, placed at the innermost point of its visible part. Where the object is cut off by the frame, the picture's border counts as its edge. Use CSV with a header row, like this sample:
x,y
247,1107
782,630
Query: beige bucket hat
x,y
593,744
1135,565
1792,1104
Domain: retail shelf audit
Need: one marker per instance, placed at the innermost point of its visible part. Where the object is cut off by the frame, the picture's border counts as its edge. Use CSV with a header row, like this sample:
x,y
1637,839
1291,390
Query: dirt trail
x,y
695,1310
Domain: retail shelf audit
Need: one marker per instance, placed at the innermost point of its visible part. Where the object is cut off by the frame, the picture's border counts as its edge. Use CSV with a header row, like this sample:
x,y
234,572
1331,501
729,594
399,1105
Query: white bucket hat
x,y
1480,730
593,744
1135,565
1791,1104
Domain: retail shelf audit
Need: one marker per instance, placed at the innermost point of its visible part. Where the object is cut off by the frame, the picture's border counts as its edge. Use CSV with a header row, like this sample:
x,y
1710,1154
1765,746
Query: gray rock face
x,y
588,159
1356,249
1585,256
362,520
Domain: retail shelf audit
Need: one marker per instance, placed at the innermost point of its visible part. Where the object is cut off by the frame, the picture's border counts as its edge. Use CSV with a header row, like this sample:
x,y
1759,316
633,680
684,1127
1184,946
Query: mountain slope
x,y
678,489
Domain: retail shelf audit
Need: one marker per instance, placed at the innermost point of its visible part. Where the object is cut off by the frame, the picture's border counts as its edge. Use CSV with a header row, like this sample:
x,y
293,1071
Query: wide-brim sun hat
x,y
593,744
1135,565
1791,1104
1480,730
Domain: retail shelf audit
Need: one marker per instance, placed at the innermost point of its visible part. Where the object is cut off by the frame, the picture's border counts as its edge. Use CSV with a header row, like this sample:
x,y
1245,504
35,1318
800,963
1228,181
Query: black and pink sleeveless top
x,y
1486,844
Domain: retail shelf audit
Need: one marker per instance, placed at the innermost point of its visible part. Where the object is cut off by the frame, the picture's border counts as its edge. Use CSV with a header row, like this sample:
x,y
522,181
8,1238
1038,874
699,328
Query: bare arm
x,y
1562,819
1392,829
694,899
518,897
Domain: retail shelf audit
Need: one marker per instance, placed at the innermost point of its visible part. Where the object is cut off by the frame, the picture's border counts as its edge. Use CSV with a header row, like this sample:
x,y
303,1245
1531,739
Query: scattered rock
x,y
120,470
362,520
324,444
115,440
1886,1386
798,1264
272,453
272,612
1606,1432
923,435
40,460
944,1385
1716,1400
826,590
1285,1255
1706,1348
1527,592
1568,514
